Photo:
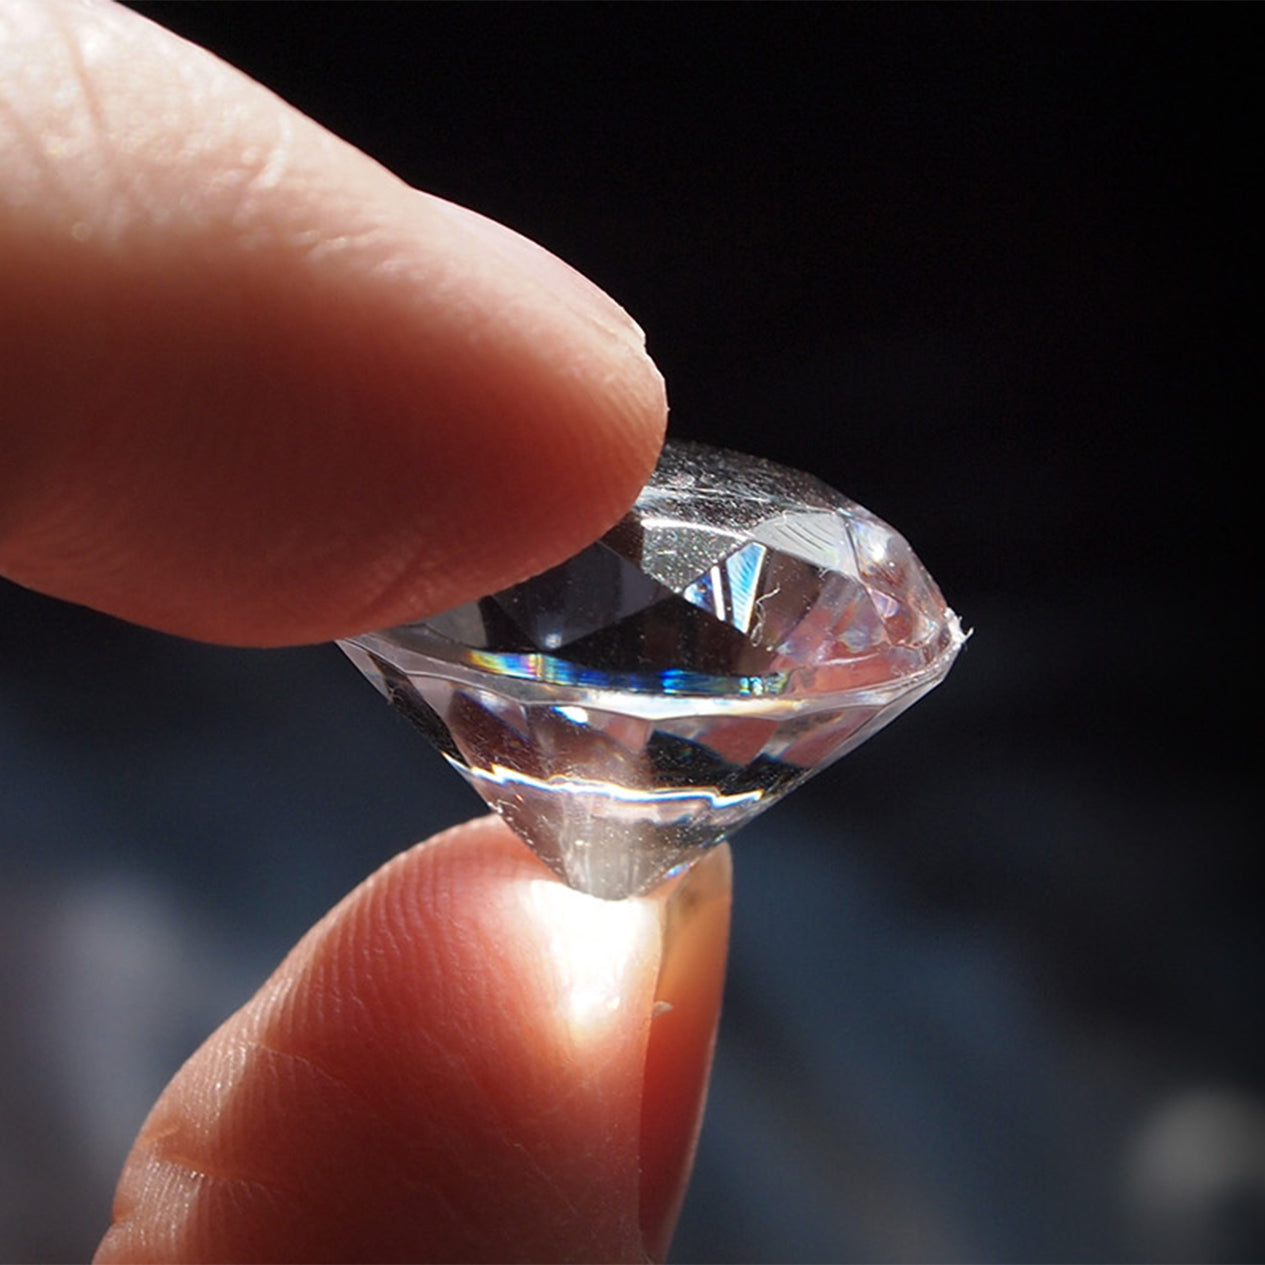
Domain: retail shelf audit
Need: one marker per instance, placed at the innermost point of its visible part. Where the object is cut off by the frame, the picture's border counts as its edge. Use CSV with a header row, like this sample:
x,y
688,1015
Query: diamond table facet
x,y
741,628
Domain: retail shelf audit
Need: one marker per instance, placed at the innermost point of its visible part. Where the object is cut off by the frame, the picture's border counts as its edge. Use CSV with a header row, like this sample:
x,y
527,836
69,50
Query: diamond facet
x,y
741,628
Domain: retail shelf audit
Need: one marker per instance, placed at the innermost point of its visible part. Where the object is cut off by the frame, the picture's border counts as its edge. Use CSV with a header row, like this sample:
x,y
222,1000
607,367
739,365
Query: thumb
x,y
465,1060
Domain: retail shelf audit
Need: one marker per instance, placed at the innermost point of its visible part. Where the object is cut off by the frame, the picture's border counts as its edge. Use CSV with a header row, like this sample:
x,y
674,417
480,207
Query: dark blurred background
x,y
996,990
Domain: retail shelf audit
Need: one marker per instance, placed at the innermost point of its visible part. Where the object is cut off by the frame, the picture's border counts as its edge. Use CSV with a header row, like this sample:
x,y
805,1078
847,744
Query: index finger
x,y
256,390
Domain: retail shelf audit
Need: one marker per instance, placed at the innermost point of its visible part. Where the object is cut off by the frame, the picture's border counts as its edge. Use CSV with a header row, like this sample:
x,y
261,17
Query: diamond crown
x,y
742,627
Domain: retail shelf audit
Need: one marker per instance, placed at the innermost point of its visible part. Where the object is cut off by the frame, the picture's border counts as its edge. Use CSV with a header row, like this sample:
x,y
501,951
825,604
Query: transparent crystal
x,y
741,628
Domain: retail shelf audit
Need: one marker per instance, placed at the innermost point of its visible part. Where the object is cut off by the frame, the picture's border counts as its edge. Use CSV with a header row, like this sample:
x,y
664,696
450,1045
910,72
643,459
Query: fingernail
x,y
573,287
682,1037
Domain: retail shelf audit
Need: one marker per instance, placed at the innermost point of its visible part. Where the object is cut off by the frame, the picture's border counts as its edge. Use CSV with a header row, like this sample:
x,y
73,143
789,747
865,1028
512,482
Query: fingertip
x,y
259,391
688,996
452,1065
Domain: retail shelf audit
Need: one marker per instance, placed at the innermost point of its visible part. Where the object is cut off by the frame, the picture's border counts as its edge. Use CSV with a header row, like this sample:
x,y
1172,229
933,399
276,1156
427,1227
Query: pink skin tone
x,y
257,391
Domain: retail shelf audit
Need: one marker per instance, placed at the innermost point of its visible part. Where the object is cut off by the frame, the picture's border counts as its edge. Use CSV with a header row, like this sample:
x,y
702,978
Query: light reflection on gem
x,y
742,627
661,804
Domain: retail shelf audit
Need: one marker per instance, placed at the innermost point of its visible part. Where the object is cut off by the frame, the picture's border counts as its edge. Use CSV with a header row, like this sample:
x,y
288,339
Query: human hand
x,y
255,390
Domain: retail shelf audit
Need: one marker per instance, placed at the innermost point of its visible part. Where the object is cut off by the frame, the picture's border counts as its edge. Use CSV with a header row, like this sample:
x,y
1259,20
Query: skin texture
x,y
465,1060
255,390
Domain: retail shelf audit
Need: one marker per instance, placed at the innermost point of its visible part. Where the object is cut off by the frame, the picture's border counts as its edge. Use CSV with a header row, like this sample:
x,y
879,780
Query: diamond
x,y
741,628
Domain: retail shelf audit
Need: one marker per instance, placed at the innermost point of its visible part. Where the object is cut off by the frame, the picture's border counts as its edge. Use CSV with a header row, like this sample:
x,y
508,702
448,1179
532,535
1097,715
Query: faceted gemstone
x,y
741,628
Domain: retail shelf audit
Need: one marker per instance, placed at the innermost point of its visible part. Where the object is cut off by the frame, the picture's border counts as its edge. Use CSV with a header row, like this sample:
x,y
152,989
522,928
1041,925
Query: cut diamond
x,y
742,627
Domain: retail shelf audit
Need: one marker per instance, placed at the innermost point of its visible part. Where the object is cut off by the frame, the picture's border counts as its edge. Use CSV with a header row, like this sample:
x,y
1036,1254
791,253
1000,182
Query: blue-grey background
x,y
996,990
